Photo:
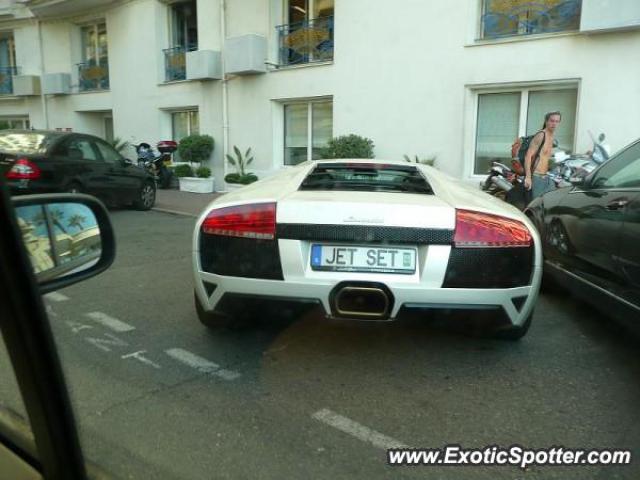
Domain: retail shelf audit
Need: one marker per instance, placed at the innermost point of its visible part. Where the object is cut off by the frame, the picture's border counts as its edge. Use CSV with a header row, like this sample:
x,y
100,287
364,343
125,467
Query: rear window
x,y
31,143
367,177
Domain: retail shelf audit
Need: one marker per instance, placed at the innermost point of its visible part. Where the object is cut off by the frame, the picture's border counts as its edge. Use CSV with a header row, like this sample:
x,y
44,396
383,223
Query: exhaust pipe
x,y
502,183
365,301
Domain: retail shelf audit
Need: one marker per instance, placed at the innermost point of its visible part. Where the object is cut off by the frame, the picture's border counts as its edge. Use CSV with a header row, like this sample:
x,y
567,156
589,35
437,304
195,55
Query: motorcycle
x,y
156,164
568,166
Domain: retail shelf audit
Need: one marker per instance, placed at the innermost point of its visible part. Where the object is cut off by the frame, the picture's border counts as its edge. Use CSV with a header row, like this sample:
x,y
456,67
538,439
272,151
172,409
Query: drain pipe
x,y
225,92
43,97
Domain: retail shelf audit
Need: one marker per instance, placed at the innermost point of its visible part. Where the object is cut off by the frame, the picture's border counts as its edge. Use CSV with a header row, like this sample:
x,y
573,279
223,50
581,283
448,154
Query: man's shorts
x,y
541,184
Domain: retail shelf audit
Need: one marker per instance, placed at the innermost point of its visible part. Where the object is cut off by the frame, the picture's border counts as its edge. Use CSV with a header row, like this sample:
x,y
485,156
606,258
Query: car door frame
x,y
121,173
29,341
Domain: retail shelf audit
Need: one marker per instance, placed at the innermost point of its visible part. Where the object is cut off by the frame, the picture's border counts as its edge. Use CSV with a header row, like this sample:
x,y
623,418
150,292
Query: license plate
x,y
342,258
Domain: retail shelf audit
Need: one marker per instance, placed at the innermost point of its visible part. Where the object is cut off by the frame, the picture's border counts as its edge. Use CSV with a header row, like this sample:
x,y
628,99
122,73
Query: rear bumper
x,y
513,305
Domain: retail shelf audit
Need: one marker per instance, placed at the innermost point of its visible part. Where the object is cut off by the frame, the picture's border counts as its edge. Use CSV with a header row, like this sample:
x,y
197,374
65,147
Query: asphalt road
x,y
157,395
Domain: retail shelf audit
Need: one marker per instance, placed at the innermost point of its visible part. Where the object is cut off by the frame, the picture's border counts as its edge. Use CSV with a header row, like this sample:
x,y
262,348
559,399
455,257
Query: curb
x,y
174,212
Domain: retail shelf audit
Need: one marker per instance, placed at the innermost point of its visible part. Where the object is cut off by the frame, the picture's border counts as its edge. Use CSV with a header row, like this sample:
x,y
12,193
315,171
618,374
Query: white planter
x,y
229,187
196,185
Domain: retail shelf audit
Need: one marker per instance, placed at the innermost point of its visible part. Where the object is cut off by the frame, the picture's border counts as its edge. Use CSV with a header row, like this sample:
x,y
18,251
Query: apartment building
x,y
456,79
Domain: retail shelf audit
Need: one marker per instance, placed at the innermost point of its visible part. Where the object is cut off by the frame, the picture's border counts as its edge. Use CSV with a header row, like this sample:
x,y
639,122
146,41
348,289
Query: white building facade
x,y
456,79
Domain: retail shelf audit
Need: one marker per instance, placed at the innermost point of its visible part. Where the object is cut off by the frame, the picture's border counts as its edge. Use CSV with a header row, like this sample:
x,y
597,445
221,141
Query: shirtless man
x,y
538,182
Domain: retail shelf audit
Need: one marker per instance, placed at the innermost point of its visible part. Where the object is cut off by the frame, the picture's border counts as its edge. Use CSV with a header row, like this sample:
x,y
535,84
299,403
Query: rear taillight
x,y
246,221
475,229
23,169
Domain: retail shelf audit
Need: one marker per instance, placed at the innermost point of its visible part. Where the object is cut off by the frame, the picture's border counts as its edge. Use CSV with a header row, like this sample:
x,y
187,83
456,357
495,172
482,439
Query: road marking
x,y
201,364
110,322
56,297
101,343
356,429
138,356
77,326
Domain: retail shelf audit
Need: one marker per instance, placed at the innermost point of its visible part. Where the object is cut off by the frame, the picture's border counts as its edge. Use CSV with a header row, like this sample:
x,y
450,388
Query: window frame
x,y
309,103
523,88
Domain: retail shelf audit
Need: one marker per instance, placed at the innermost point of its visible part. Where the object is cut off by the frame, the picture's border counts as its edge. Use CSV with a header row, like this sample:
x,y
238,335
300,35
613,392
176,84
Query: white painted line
x,y
103,344
201,364
357,430
110,322
56,297
138,356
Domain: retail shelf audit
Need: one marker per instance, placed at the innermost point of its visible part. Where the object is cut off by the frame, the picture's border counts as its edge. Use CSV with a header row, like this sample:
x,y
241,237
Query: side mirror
x,y
577,181
68,237
601,138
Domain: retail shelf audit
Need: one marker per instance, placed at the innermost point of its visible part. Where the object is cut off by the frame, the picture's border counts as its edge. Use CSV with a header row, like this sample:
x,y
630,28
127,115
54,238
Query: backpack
x,y
521,145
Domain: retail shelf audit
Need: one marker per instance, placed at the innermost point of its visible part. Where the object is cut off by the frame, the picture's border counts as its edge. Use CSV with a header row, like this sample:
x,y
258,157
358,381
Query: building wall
x,y
404,75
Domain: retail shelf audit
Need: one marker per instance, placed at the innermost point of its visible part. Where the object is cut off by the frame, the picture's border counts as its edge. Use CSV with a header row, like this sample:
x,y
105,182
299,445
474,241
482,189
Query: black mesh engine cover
x,y
240,257
489,267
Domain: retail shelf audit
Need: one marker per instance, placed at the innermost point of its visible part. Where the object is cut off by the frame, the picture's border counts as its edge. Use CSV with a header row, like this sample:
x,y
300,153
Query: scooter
x,y
155,164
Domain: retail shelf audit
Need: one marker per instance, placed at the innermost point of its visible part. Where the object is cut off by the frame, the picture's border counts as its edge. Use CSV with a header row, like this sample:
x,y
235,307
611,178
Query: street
x,y
157,395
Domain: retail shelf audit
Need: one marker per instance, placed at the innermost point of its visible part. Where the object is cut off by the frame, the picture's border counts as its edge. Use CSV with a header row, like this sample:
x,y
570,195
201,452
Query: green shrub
x,y
245,179
195,148
183,171
349,146
203,172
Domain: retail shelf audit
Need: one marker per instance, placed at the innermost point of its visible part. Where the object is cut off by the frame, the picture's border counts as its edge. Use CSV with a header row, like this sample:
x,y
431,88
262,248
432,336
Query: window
x,y
93,72
109,155
81,149
14,123
503,116
505,18
307,129
184,25
307,35
183,124
622,171
184,38
7,62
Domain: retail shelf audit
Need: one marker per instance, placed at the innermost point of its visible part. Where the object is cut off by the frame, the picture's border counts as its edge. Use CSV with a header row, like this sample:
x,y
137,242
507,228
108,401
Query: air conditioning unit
x,y
204,65
26,85
56,83
245,55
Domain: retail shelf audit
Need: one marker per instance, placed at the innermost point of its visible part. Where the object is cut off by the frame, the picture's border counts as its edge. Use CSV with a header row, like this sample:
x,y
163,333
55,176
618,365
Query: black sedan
x,y
591,235
34,161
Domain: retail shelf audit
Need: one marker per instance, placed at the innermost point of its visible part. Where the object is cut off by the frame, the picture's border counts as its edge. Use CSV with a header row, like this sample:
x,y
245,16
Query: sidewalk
x,y
183,203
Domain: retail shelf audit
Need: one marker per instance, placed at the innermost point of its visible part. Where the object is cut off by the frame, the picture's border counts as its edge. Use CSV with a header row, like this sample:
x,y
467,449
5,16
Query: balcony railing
x,y
93,77
6,80
175,63
520,18
306,42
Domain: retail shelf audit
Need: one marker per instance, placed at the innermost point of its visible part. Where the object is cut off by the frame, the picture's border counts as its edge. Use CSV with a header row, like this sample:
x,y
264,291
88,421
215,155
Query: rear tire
x,y
211,319
146,197
514,332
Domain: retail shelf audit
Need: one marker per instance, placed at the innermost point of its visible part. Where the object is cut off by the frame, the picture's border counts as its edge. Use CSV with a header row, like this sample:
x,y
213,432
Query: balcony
x,y
175,63
512,18
6,80
306,42
93,77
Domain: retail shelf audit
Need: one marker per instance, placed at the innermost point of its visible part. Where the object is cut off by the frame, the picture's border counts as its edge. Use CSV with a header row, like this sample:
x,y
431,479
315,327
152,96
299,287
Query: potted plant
x,y
196,149
241,177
